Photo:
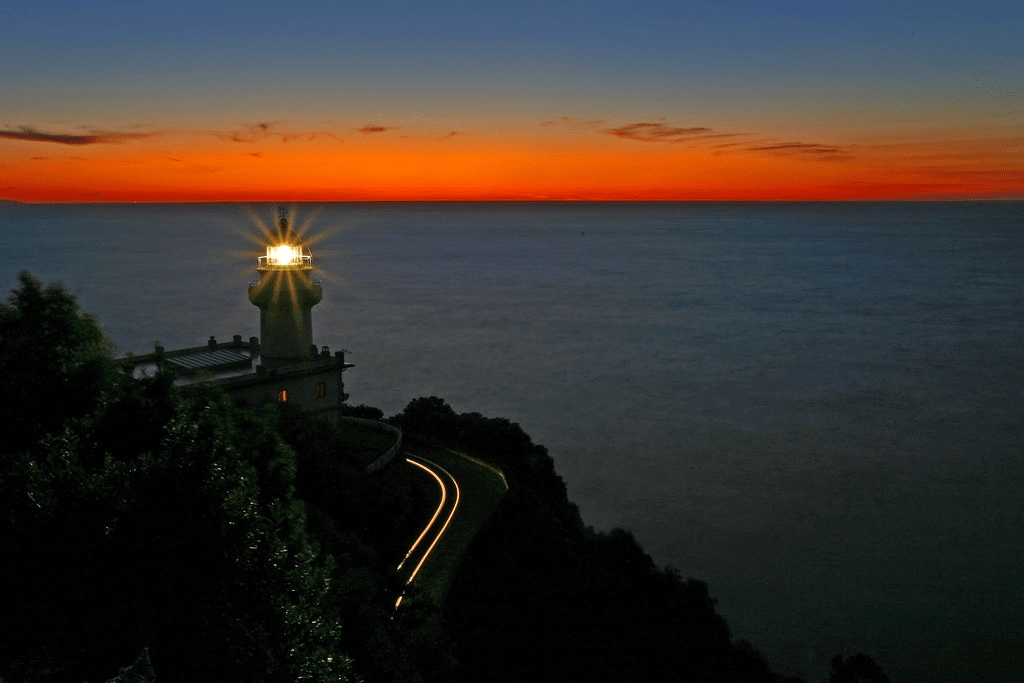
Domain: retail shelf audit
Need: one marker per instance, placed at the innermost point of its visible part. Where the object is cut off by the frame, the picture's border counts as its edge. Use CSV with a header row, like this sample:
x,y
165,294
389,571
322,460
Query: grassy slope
x,y
481,491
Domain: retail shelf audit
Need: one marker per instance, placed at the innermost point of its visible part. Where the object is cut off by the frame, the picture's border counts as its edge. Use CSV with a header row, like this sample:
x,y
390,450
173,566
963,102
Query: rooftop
x,y
233,360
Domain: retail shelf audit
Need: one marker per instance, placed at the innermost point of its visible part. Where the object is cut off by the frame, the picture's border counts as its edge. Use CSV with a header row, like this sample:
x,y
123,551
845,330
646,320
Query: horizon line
x,y
515,201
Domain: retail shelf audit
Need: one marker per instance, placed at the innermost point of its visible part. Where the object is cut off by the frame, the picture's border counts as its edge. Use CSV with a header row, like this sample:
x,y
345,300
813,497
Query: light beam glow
x,y
284,255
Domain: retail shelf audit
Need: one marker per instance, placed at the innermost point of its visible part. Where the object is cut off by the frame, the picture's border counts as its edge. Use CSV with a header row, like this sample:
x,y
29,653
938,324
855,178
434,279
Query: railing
x,y
273,262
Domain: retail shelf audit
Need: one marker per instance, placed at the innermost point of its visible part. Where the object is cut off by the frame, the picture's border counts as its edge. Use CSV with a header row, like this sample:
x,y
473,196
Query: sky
x,y
525,100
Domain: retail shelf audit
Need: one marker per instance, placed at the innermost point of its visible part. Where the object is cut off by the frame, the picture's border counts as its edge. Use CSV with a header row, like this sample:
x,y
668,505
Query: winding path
x,y
413,561
470,491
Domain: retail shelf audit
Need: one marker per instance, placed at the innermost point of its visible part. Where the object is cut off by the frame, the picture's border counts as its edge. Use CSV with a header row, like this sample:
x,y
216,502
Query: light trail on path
x,y
439,474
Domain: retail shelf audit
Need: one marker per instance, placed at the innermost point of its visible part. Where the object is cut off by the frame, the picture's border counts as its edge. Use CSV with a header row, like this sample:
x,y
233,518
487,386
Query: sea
x,y
817,408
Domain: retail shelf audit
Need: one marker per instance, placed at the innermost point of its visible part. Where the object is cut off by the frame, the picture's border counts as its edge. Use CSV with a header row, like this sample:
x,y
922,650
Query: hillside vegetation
x,y
149,533
541,597
174,536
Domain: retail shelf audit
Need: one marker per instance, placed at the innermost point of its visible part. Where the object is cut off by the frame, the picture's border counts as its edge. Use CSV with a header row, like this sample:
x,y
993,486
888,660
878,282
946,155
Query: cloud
x,y
266,130
370,128
96,137
659,132
449,135
1005,175
248,133
806,150
571,121
61,158
704,136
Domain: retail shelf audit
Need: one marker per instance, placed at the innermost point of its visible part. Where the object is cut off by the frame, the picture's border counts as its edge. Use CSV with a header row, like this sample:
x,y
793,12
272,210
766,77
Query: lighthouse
x,y
284,366
285,296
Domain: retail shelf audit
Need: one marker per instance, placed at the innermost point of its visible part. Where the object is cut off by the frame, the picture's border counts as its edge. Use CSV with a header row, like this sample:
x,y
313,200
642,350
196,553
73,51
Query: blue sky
x,y
831,72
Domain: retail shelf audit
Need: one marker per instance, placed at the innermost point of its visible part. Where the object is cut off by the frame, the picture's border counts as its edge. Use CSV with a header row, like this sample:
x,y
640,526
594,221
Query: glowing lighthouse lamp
x,y
285,296
284,255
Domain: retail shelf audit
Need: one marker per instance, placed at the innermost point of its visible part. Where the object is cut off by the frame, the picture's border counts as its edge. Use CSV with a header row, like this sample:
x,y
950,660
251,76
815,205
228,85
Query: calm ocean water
x,y
817,408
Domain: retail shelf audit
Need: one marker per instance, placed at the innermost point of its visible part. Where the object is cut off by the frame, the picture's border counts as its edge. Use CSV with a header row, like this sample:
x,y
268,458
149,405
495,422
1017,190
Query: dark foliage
x,y
367,523
54,361
184,538
146,533
362,410
149,533
858,668
152,534
542,598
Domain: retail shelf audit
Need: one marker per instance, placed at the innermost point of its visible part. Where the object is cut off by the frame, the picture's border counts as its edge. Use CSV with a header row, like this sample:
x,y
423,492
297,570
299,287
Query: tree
x,y
430,415
55,362
194,548
137,518
859,668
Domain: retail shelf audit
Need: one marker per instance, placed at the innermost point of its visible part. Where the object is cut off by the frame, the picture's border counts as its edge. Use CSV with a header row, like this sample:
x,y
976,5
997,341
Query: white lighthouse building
x,y
285,296
283,364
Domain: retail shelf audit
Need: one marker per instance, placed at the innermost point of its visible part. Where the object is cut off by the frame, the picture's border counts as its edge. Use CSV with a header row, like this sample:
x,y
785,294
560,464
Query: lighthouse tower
x,y
285,296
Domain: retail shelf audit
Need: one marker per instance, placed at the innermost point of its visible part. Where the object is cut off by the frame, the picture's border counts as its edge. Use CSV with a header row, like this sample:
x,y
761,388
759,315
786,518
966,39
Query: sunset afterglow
x,y
658,101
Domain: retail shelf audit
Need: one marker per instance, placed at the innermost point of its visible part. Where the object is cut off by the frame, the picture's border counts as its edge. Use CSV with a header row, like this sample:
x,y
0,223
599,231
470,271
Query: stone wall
x,y
377,425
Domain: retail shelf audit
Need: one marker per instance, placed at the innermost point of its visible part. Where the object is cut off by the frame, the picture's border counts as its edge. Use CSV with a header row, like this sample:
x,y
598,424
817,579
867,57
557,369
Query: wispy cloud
x,y
805,150
270,130
372,128
572,122
95,137
990,175
248,133
701,136
449,135
657,132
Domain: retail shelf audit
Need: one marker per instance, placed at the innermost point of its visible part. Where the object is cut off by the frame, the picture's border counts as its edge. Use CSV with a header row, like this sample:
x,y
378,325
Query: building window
x,y
321,389
282,395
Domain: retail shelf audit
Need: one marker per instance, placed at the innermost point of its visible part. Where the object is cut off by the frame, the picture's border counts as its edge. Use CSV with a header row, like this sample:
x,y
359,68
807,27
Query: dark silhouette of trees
x,y
858,668
140,524
55,362
152,533
363,411
194,548
540,597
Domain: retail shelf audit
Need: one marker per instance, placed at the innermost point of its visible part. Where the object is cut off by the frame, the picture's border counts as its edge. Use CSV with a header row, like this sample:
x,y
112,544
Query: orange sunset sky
x,y
506,101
